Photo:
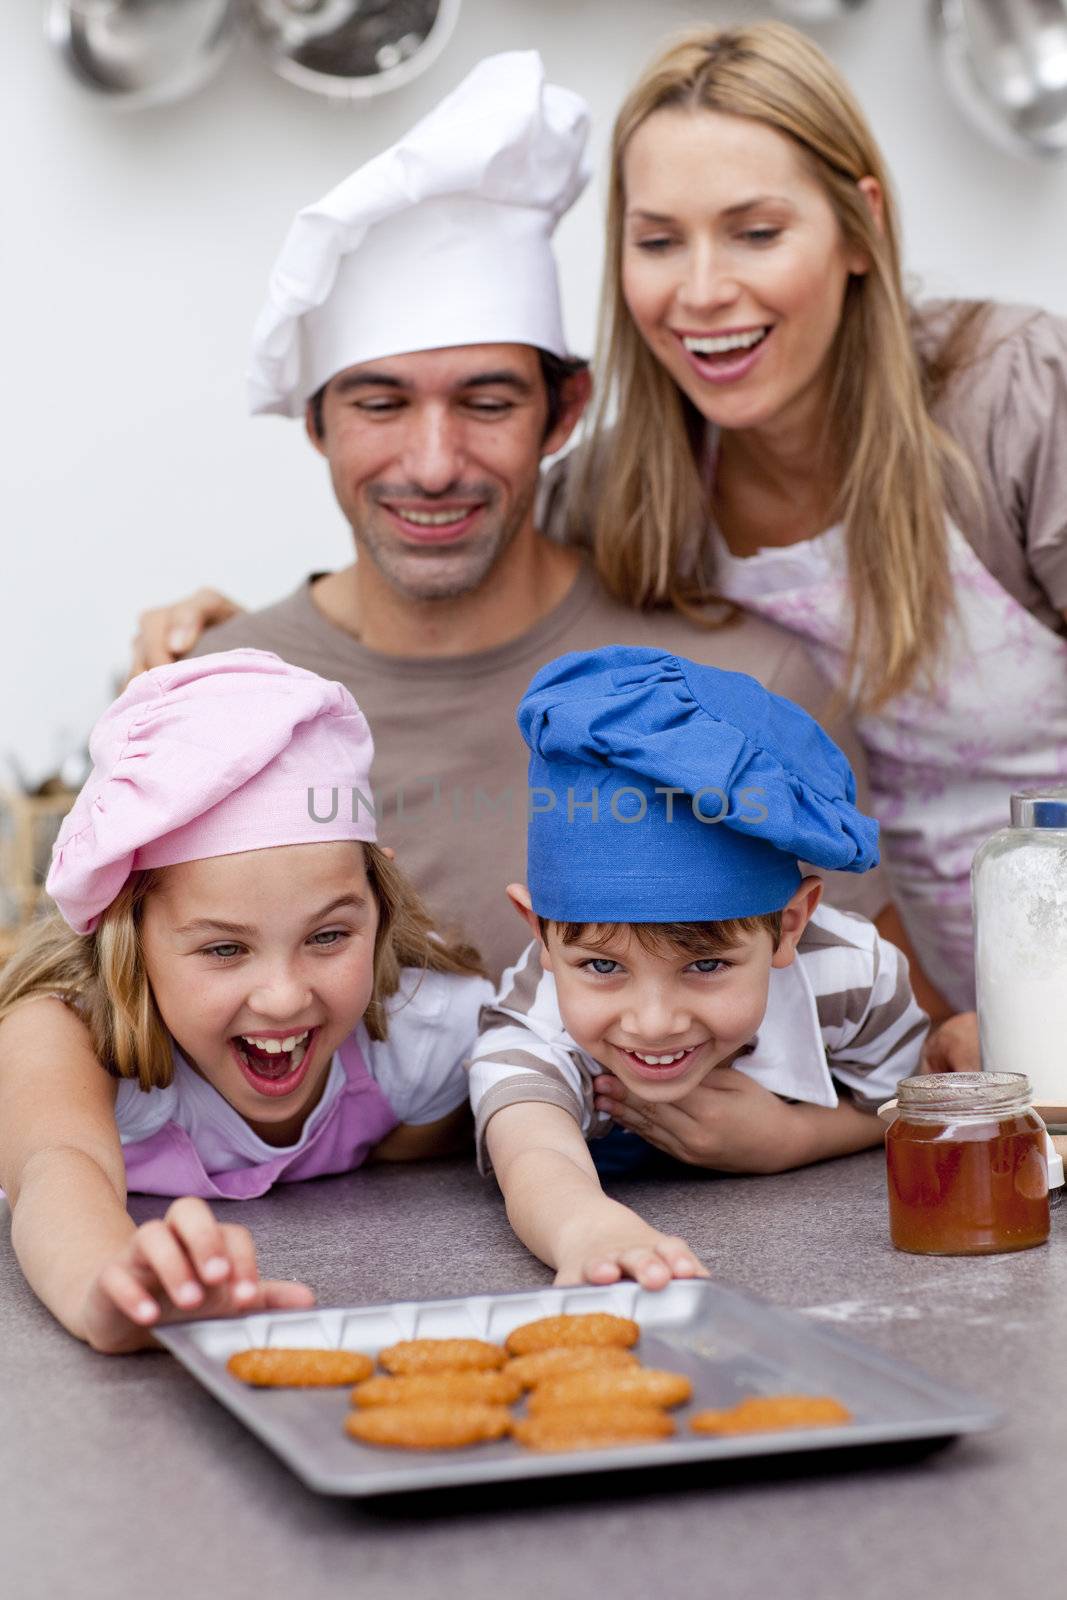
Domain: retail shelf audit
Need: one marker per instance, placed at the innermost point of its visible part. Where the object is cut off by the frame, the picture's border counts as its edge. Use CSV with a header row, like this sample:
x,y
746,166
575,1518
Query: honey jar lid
x,y
964,1092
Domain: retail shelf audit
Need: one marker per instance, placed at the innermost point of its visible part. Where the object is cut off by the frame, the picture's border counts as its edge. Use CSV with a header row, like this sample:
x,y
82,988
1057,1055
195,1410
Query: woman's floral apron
x,y
941,764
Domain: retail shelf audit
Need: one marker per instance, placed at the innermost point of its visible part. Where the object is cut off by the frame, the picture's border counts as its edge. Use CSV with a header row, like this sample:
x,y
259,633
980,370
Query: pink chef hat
x,y
209,757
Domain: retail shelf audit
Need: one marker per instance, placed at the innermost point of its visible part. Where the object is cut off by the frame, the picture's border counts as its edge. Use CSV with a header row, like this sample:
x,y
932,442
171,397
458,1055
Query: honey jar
x,y
966,1164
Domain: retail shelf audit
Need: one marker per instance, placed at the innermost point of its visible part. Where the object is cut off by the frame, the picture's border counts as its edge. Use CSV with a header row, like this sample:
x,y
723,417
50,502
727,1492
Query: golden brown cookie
x,y
491,1388
441,1355
627,1386
541,1364
591,1327
592,1427
769,1413
300,1369
429,1425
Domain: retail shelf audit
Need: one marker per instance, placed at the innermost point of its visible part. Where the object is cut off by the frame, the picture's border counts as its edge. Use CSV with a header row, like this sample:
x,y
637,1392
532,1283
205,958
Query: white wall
x,y
133,254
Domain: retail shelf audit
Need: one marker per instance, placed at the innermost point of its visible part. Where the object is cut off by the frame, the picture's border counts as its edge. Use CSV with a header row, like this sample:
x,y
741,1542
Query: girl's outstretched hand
x,y
183,1266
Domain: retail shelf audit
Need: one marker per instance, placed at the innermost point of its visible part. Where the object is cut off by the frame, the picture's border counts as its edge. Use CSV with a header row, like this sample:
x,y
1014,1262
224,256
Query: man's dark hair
x,y
555,373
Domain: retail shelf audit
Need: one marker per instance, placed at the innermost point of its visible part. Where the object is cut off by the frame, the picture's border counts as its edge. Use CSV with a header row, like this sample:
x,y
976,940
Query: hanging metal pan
x,y
350,49
817,10
1005,63
142,53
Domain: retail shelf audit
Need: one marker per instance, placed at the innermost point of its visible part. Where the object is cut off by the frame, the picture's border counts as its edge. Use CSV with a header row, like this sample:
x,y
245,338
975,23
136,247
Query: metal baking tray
x,y
729,1344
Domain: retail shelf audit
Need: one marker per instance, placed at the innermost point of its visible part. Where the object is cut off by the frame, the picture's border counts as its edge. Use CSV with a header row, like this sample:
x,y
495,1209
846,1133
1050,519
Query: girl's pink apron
x,y
943,763
359,1116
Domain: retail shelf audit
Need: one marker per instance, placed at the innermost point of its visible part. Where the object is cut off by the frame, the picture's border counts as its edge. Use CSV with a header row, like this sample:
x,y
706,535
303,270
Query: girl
x,y
267,992
787,433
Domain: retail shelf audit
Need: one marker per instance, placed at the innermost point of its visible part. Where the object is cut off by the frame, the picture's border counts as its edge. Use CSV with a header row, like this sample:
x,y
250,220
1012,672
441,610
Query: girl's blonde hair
x,y
103,973
638,487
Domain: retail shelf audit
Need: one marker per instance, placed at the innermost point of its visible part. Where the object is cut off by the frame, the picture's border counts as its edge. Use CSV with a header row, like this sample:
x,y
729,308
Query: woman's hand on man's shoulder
x,y
166,633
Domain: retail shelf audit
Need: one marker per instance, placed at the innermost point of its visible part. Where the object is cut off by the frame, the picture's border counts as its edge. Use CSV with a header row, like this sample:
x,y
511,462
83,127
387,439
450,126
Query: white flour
x,y
1021,963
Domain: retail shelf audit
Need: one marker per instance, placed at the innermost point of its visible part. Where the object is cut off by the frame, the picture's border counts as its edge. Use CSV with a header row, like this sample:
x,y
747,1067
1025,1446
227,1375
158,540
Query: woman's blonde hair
x,y
103,975
638,486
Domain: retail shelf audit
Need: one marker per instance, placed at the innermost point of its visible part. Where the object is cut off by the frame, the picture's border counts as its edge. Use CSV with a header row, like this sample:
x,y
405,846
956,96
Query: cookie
x,y
628,1386
490,1388
541,1364
590,1328
300,1369
592,1427
769,1413
441,1355
429,1425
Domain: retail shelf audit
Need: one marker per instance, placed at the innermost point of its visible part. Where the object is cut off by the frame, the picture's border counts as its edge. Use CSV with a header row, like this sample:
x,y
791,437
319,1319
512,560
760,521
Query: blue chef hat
x,y
663,791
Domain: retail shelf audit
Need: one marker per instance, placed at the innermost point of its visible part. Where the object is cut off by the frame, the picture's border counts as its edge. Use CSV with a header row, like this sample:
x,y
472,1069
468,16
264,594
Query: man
x,y
414,321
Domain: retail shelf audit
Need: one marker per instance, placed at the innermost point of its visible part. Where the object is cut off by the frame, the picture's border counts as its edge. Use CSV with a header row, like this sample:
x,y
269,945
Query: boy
x,y
678,948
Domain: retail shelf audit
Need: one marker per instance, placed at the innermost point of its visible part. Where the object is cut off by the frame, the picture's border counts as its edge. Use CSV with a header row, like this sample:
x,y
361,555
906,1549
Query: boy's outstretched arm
x,y
558,1209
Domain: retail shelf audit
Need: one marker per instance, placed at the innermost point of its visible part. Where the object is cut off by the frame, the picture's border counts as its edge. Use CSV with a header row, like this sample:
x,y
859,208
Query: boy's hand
x,y
953,1046
729,1122
625,1247
186,1265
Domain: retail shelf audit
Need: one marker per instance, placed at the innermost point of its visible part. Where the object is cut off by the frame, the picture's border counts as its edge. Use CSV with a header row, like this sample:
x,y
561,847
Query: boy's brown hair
x,y
701,940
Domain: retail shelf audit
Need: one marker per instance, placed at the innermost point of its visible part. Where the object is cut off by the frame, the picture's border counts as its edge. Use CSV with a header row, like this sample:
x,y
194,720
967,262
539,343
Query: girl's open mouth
x,y
274,1065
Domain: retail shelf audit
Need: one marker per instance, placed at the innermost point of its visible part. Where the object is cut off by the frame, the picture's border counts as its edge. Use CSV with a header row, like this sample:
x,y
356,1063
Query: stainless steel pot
x,y
1005,63
142,53
817,10
350,49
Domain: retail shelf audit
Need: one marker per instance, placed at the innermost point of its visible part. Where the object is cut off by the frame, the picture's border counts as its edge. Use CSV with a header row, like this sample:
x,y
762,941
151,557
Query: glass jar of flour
x,y
1019,883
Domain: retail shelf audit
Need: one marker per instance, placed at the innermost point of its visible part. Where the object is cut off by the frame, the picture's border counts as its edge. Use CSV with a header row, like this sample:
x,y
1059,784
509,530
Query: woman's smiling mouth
x,y
724,357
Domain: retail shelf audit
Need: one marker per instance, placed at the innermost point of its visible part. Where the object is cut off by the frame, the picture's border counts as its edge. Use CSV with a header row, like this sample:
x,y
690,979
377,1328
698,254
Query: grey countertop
x,y
123,1479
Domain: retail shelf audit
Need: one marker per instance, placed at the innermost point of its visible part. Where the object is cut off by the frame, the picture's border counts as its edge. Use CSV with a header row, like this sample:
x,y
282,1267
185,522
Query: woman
x,y
788,433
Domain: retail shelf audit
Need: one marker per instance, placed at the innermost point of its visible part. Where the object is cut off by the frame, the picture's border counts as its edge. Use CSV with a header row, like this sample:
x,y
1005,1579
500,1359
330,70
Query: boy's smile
x,y
660,1068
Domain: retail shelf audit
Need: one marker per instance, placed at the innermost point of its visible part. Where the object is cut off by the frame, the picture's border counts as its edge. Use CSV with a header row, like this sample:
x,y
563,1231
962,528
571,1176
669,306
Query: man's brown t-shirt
x,y
450,765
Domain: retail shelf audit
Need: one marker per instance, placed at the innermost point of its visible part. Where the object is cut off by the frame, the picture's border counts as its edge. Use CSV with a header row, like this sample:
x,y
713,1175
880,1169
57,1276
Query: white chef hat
x,y
444,239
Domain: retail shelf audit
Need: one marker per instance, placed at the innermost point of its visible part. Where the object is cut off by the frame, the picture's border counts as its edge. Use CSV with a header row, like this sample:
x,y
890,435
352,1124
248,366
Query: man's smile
x,y
433,522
